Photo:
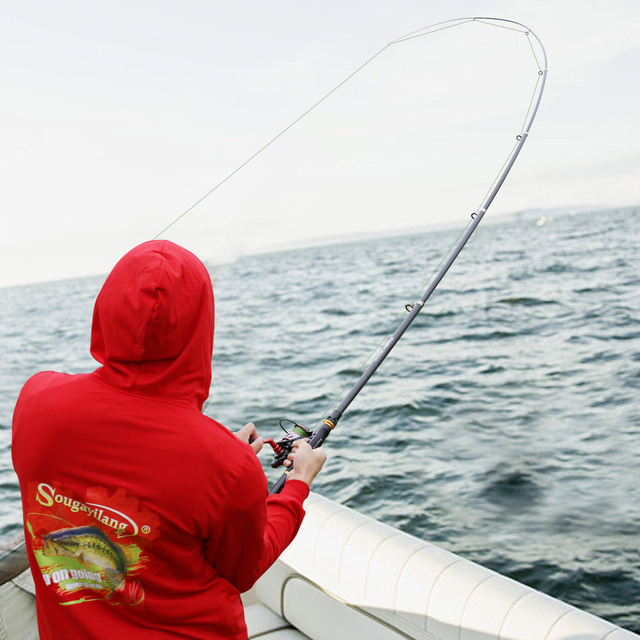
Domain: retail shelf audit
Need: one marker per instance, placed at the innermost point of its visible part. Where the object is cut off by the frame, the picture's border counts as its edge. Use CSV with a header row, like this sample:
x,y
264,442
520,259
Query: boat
x,y
348,576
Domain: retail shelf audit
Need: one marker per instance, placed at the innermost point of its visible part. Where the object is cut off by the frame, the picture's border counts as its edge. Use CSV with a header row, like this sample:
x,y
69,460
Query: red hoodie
x,y
144,518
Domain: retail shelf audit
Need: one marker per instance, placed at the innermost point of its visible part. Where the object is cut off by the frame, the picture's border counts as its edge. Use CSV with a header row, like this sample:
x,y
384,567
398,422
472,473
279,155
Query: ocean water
x,y
505,426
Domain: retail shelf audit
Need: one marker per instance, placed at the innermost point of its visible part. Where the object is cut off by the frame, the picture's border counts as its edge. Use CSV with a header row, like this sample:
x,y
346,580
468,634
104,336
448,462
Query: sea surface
x,y
505,426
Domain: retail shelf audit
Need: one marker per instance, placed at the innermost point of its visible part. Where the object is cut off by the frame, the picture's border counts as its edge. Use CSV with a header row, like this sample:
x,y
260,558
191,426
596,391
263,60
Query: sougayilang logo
x,y
47,496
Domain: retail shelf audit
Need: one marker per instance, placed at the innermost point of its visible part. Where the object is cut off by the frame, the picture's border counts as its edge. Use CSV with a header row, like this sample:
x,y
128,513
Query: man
x,y
144,518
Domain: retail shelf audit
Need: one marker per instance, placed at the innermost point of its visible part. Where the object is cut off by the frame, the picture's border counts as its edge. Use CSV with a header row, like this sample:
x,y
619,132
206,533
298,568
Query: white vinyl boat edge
x,y
349,576
18,608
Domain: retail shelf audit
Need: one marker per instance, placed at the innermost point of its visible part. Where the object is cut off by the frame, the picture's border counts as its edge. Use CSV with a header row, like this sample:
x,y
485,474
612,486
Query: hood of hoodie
x,y
153,324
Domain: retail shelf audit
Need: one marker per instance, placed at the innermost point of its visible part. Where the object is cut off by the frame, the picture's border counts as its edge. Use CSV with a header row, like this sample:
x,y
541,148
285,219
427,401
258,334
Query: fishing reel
x,y
282,448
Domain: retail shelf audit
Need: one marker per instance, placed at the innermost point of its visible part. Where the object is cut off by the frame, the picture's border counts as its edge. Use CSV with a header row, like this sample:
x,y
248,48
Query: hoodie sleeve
x,y
256,528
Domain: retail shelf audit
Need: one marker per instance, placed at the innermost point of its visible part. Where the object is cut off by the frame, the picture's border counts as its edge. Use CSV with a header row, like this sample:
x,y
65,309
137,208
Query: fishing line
x,y
266,146
412,309
448,24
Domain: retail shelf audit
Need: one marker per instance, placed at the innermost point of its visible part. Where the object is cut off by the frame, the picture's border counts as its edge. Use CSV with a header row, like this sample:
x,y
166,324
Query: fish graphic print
x,y
91,547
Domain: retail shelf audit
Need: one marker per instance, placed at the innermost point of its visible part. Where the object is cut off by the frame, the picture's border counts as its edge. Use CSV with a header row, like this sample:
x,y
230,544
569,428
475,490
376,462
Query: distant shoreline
x,y
524,214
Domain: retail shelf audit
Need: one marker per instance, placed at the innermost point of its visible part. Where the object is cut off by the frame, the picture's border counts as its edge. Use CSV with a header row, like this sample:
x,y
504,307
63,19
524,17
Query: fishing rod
x,y
317,437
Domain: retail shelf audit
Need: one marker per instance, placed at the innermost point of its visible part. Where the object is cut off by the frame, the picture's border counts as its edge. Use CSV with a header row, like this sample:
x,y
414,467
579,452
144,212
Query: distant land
x,y
12,265
524,214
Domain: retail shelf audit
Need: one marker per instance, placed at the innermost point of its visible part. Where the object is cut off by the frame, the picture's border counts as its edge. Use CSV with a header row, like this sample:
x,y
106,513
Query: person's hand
x,y
249,435
306,461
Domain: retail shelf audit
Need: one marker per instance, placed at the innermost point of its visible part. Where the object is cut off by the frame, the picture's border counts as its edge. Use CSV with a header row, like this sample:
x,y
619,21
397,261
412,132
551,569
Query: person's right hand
x,y
306,461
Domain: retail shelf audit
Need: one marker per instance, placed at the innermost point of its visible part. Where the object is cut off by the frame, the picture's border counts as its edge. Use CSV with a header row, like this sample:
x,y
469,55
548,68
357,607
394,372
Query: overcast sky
x,y
117,116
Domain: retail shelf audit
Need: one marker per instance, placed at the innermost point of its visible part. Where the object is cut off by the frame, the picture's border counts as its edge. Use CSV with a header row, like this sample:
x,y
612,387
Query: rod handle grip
x,y
277,487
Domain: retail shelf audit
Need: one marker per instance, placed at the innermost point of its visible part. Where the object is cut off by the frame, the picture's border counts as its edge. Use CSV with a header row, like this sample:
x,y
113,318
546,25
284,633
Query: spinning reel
x,y
282,448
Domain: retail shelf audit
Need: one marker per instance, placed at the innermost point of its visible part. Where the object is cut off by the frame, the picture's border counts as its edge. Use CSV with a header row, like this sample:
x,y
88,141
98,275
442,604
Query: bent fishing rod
x,y
317,437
